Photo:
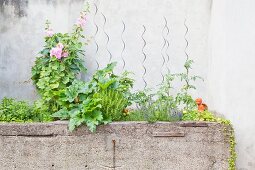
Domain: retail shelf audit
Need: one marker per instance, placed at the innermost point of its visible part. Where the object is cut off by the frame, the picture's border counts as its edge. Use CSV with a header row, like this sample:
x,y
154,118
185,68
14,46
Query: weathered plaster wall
x,y
123,145
21,38
22,31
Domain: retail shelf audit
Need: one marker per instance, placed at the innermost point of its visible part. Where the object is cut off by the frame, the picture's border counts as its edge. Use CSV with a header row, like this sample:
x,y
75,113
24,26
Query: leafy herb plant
x,y
20,111
159,106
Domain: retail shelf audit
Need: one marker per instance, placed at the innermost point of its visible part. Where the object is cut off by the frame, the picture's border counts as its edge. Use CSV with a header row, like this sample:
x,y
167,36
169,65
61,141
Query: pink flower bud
x,y
49,33
81,21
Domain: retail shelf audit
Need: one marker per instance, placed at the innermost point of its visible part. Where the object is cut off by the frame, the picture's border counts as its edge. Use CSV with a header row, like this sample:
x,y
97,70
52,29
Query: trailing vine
x,y
232,152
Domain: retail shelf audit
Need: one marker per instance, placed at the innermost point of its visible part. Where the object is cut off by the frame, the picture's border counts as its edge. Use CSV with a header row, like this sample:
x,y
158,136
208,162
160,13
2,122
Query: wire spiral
x,y
124,45
107,37
145,57
187,43
162,53
167,45
96,44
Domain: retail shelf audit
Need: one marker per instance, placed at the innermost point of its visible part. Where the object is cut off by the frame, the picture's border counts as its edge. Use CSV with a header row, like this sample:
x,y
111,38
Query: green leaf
x,y
40,84
55,67
106,84
74,112
54,86
61,67
72,124
98,115
91,126
62,114
65,80
45,51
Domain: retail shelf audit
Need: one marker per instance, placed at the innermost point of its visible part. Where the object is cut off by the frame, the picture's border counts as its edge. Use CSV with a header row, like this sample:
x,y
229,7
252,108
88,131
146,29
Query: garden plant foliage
x,y
20,111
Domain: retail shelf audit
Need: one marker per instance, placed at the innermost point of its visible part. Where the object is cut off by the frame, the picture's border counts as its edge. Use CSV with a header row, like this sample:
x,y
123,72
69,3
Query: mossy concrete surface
x,y
119,145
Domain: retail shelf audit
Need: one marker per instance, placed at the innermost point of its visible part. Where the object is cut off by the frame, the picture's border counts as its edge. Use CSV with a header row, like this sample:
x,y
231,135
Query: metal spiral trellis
x,y
187,43
162,53
164,49
107,37
145,57
167,46
124,44
96,44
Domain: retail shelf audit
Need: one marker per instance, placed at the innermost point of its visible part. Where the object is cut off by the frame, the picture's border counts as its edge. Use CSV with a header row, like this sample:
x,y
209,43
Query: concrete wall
x,y
122,145
21,36
22,22
221,38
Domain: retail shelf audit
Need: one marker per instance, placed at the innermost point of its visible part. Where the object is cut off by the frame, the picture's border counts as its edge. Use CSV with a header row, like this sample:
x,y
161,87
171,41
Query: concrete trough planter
x,y
119,145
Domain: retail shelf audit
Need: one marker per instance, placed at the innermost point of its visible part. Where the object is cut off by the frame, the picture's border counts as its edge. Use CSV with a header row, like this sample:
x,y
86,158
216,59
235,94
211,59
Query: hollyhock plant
x,y
59,62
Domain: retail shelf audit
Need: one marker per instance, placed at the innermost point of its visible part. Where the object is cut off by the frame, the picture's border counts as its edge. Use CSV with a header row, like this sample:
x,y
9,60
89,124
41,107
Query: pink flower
x,y
81,21
65,54
58,51
49,33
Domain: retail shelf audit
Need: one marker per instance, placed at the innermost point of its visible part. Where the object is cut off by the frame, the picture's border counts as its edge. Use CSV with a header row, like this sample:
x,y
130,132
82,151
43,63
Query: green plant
x,y
86,112
159,106
59,63
81,106
233,155
106,79
183,97
163,105
199,116
113,103
100,100
20,111
113,90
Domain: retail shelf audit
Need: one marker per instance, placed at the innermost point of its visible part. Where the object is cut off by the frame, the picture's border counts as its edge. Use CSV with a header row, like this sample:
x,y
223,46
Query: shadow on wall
x,y
19,7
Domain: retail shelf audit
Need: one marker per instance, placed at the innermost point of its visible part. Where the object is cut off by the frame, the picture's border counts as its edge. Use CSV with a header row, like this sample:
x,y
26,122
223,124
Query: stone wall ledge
x,y
59,128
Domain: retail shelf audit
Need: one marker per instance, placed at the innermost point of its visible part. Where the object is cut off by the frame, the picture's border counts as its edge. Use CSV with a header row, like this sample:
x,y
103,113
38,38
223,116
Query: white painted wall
x,y
151,14
231,80
27,33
